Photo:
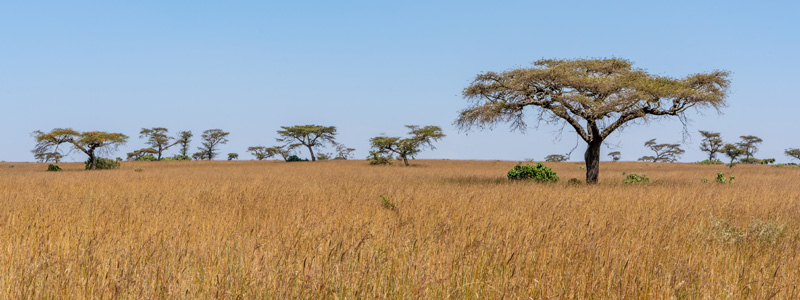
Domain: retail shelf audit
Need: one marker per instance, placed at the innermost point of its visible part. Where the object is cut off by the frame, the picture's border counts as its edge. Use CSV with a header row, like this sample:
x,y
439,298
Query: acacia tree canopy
x,y
311,136
749,144
616,155
158,140
211,140
793,153
420,137
712,143
593,96
664,152
88,142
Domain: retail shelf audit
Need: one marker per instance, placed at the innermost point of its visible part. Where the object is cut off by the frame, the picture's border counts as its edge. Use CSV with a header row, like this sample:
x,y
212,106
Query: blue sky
x,y
370,67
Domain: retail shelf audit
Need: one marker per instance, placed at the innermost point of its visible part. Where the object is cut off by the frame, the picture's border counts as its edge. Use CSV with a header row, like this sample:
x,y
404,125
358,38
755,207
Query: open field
x,y
460,230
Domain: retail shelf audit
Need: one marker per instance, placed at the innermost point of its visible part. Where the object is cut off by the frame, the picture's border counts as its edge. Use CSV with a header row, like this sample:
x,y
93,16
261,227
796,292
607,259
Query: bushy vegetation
x,y
635,178
379,158
538,173
721,178
103,164
181,157
53,168
294,158
711,162
147,157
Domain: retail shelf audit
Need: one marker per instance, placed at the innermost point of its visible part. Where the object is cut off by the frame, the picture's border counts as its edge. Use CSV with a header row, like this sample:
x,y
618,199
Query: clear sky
x,y
370,67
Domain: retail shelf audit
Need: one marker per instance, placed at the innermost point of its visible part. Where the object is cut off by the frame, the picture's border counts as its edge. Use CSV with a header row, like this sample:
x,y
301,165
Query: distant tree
x,y
664,152
211,139
732,151
420,137
616,155
285,151
201,155
793,153
183,139
556,158
261,152
158,139
138,154
90,142
712,143
324,156
593,96
342,152
232,156
749,145
311,136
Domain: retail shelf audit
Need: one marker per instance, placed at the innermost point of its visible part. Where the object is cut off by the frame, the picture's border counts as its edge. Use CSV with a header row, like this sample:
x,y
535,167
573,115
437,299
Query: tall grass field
x,y
434,230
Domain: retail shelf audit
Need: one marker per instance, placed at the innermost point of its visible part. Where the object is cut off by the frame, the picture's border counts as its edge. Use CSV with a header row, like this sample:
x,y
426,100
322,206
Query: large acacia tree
x,y
89,142
593,96
311,136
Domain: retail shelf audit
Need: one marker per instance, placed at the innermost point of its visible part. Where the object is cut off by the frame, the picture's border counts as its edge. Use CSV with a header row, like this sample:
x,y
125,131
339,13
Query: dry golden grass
x,y
460,230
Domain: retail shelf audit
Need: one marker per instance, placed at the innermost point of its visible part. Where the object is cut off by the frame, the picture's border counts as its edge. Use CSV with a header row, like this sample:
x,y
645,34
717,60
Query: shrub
x,y
103,164
146,157
539,173
378,158
181,157
710,162
721,178
53,168
635,178
767,161
295,158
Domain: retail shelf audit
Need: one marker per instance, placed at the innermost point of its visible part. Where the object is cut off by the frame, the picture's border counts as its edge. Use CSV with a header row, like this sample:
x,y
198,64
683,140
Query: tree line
x,y
593,97
50,145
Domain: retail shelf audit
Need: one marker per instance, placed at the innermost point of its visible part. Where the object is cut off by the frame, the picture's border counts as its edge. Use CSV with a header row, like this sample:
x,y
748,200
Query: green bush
x,y
635,178
767,161
181,157
721,178
146,157
539,173
53,168
710,162
295,158
379,158
103,164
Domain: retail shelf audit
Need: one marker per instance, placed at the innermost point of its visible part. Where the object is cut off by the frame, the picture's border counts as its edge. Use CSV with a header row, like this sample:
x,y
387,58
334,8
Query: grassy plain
x,y
459,229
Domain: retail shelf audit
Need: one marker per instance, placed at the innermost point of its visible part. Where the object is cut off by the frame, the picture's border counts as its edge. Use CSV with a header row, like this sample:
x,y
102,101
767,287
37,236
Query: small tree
x,y
158,140
732,152
342,152
311,136
593,96
201,155
749,145
712,143
261,152
616,155
232,156
284,151
664,152
138,154
211,139
793,153
420,138
183,139
89,142
556,158
46,149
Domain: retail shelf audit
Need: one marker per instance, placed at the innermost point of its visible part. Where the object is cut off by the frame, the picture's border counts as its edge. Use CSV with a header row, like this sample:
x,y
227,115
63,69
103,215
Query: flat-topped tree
x,y
749,145
712,143
212,138
616,155
420,137
793,153
593,96
158,140
184,138
311,136
89,142
664,152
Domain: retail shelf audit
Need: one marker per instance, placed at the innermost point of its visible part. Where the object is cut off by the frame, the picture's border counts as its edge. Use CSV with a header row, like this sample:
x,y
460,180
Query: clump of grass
x,y
635,178
760,231
387,203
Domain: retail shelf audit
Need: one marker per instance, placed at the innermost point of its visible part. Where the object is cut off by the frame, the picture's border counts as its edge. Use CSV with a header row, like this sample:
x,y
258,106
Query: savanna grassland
x,y
459,229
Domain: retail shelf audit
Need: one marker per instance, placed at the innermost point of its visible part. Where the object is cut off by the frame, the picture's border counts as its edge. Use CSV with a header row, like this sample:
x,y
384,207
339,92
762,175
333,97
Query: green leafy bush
x,y
295,158
710,162
635,178
181,157
103,164
539,173
379,158
146,157
721,178
53,168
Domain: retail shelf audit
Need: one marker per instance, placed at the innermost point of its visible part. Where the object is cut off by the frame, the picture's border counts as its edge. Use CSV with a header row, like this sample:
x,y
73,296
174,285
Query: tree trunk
x,y
592,158
405,160
93,161
310,150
